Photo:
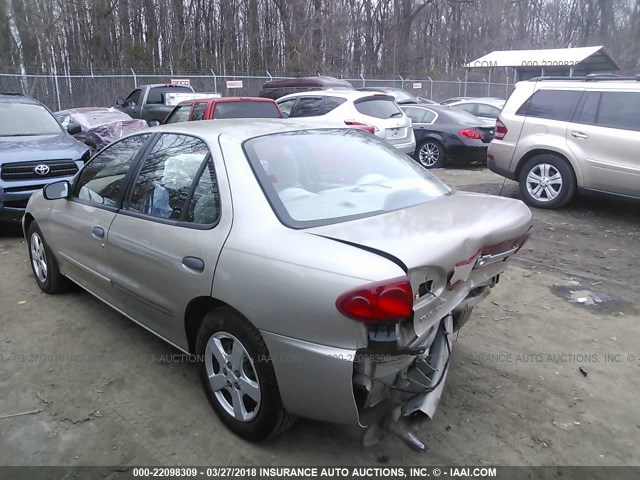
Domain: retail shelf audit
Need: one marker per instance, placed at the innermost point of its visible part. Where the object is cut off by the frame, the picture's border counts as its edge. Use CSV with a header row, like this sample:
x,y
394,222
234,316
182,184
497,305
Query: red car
x,y
225,107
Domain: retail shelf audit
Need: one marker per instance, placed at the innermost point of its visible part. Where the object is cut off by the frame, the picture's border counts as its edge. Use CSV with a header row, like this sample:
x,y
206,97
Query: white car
x,y
375,112
485,108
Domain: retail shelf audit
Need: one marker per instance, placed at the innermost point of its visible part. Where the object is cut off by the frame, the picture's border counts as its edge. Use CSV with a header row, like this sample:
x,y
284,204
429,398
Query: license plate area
x,y
394,133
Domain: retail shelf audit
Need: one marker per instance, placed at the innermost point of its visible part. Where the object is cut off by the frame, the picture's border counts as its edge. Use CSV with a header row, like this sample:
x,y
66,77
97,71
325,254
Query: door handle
x,y
579,135
97,232
193,263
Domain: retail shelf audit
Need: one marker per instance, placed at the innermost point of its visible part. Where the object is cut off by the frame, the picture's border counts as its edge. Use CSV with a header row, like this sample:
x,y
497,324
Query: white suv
x,y
558,135
374,112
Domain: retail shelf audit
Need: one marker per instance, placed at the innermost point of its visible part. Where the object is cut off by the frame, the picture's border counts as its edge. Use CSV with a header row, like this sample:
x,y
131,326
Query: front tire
x,y
547,181
238,377
430,154
43,264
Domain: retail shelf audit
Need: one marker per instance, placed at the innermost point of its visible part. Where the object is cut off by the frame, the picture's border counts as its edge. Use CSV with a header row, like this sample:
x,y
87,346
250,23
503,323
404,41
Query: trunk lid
x,y
439,233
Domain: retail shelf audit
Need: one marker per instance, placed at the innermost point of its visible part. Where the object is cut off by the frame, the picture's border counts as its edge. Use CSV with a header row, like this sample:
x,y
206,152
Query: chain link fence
x,y
60,92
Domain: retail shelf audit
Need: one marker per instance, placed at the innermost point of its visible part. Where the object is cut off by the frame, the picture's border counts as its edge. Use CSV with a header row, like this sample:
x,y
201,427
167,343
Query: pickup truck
x,y
226,107
148,102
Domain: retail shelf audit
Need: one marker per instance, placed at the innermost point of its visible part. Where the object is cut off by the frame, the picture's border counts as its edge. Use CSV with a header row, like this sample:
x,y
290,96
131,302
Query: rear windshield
x,y
320,177
246,110
379,107
21,119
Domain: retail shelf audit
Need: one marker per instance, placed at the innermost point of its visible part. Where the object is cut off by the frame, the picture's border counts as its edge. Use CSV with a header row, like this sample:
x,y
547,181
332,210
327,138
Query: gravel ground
x,y
106,392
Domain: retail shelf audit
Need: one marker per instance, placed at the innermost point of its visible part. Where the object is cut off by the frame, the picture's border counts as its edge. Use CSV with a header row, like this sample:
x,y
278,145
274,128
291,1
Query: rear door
x,y
79,227
422,120
605,138
165,241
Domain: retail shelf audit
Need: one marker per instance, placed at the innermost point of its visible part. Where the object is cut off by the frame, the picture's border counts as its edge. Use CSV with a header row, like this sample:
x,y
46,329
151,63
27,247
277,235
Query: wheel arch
x,y
545,151
26,223
194,314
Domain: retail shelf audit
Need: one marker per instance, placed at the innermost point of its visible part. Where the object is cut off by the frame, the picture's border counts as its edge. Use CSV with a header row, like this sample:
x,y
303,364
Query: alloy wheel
x,y
38,258
429,154
232,376
544,182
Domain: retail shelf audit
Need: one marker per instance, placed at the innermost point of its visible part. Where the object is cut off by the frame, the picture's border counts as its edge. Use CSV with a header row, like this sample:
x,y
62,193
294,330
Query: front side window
x,y
179,114
133,98
551,104
101,180
163,186
286,106
26,120
318,177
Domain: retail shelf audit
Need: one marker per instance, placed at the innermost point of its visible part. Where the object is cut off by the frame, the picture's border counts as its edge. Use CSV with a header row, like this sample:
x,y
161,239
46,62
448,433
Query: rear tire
x,y
43,264
430,154
238,377
547,181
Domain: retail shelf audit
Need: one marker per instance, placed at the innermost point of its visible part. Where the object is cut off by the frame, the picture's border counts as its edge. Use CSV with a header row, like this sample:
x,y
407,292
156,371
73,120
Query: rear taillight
x,y
471,133
378,302
501,130
363,126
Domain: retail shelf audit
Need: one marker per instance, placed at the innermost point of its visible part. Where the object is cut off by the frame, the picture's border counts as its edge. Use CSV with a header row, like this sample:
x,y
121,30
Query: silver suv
x,y
558,135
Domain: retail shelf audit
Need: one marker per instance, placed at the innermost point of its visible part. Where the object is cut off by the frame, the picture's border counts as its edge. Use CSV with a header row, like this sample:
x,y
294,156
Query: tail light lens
x,y
501,130
364,126
471,133
378,302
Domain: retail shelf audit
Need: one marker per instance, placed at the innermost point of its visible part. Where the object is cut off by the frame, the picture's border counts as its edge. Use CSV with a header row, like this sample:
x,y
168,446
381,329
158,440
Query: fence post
x,y
489,84
430,88
135,79
466,79
55,78
459,86
402,80
363,82
215,81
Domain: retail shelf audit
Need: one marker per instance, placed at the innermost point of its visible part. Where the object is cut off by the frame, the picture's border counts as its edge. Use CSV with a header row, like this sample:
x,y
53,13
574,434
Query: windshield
x,y
320,177
403,97
246,110
20,119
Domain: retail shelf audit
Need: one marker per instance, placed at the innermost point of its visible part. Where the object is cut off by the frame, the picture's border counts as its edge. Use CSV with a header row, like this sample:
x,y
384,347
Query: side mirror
x,y
154,123
57,190
74,128
120,102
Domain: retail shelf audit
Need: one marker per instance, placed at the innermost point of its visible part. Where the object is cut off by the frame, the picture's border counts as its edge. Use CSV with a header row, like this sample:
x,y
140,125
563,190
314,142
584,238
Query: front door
x,y
165,242
79,226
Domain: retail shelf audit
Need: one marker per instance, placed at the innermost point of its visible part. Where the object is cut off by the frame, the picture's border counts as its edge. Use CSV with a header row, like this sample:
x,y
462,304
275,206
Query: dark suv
x,y
34,151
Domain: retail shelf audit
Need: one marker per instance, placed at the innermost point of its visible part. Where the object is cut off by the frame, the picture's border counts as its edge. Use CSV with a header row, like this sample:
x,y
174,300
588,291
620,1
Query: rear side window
x,y
198,111
619,110
378,107
330,103
165,185
246,110
551,104
415,114
308,107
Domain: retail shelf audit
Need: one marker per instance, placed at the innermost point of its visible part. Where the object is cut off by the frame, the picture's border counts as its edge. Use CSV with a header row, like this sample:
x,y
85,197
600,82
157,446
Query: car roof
x,y
348,94
497,102
320,81
17,98
227,99
242,128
